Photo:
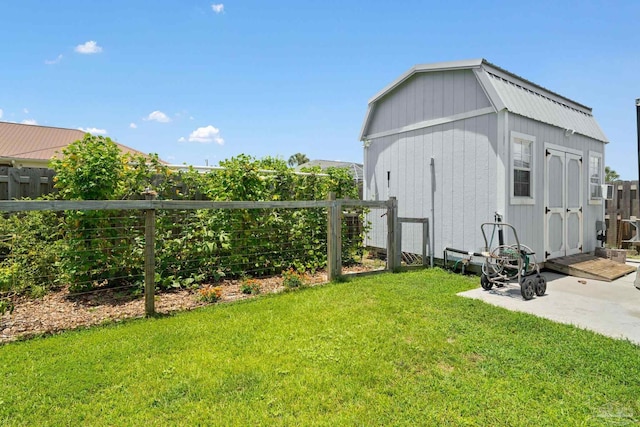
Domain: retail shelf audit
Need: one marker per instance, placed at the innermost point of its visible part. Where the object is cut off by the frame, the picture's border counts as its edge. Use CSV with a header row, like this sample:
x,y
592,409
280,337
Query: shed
x,y
499,143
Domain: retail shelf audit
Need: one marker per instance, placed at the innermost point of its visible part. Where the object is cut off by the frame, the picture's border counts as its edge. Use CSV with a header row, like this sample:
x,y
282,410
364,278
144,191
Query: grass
x,y
392,349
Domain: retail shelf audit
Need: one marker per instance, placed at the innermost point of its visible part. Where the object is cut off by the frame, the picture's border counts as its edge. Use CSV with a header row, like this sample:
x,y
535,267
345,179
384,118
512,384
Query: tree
x,y
610,175
297,159
89,169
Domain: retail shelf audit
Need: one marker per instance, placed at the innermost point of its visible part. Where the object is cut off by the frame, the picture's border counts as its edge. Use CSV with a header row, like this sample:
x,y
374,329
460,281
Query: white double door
x,y
563,203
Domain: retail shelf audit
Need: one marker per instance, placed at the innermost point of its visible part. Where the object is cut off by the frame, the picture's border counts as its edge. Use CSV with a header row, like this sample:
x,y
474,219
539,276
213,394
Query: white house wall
x,y
529,219
465,161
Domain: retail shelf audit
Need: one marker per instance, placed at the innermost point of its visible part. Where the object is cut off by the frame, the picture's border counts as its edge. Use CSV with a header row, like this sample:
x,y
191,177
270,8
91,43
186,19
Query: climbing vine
x,y
89,249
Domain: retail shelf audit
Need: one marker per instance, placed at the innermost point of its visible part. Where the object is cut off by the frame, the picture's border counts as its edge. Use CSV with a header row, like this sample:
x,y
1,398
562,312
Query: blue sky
x,y
199,81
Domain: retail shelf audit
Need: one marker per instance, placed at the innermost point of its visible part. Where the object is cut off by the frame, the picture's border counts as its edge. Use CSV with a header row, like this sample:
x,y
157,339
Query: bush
x,y
8,272
206,245
103,247
6,305
291,279
89,169
30,247
100,248
210,293
250,286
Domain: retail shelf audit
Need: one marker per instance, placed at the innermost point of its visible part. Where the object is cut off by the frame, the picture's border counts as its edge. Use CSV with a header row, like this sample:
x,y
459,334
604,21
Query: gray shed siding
x,y
465,161
442,111
428,96
529,219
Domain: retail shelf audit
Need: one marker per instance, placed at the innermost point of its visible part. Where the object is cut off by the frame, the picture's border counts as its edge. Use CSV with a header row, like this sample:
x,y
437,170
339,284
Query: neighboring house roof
x,y
40,143
354,168
508,91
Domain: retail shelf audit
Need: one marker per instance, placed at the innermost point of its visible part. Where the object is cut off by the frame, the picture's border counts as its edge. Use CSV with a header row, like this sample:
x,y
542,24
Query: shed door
x,y
574,203
563,203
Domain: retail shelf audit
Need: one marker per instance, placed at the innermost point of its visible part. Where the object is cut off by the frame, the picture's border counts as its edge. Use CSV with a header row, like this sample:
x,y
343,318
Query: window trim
x,y
596,201
523,200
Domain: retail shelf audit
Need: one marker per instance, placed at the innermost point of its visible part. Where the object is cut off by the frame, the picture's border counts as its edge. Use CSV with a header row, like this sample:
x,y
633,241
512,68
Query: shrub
x,y
250,286
6,305
190,245
210,293
89,169
291,279
8,273
106,247
30,247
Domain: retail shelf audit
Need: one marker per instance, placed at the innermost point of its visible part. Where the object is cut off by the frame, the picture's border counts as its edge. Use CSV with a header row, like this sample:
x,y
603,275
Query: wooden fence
x,y
624,205
149,206
18,183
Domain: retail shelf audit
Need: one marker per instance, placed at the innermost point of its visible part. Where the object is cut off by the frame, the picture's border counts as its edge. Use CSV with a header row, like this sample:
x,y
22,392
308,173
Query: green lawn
x,y
391,349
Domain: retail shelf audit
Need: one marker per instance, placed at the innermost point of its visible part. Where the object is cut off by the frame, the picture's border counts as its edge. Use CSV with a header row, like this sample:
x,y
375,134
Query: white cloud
x,y
29,122
55,61
133,125
206,135
94,131
158,116
217,8
181,139
25,110
88,48
1,113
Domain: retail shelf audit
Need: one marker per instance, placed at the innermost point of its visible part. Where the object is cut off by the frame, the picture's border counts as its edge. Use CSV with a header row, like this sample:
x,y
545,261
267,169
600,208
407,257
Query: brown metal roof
x,y
40,142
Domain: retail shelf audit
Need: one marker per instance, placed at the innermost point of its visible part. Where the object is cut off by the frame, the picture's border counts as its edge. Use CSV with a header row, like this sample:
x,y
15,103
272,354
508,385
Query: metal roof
x,y
34,142
509,91
539,106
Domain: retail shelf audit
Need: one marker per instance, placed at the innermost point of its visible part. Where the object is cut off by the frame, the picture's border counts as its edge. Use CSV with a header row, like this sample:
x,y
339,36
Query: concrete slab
x,y
608,308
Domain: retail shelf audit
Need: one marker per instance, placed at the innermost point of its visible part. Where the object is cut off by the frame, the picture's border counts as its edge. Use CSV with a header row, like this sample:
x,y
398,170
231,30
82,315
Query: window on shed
x,y
522,160
595,176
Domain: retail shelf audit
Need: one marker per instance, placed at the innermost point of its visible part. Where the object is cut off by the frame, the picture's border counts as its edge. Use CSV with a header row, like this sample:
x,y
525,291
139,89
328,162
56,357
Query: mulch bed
x,y
60,310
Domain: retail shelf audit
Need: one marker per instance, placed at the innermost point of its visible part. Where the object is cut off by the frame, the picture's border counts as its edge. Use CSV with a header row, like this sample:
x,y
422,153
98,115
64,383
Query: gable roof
x,y
34,142
508,91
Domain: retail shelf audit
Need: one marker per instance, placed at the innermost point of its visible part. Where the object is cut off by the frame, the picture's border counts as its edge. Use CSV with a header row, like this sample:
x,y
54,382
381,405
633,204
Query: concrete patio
x,y
609,308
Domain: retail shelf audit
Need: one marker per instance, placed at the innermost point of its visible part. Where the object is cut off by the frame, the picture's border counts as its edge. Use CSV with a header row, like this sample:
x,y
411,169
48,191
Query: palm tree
x,y
297,159
610,175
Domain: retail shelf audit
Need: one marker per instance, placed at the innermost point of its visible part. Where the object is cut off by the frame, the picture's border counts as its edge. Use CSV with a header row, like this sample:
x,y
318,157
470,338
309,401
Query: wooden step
x,y
589,267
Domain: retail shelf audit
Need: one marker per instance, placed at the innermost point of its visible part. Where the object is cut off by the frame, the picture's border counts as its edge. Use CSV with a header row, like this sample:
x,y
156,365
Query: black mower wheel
x,y
527,286
541,286
485,283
